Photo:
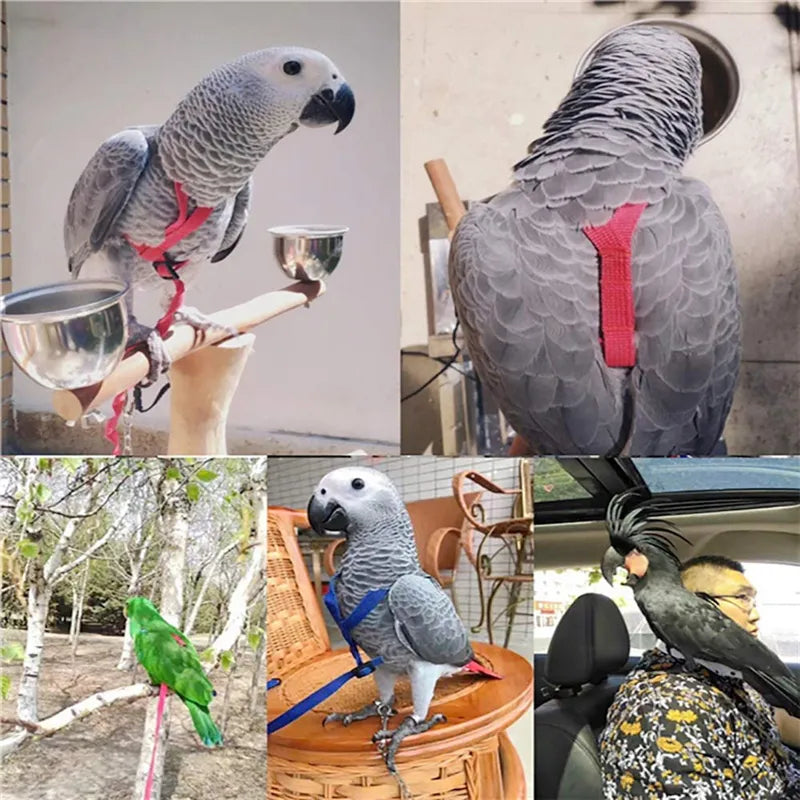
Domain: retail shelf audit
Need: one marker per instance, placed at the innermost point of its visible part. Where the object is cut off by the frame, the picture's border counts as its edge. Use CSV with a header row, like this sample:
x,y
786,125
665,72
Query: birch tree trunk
x,y
38,602
254,573
174,525
126,658
257,683
210,572
79,616
73,618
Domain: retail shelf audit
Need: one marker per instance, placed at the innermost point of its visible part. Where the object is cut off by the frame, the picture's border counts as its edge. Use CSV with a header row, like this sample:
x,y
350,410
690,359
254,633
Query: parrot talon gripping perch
x,y
375,709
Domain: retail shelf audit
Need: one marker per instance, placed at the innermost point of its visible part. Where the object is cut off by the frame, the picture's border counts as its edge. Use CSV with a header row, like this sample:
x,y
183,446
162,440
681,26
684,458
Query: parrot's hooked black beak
x,y
612,561
326,516
325,107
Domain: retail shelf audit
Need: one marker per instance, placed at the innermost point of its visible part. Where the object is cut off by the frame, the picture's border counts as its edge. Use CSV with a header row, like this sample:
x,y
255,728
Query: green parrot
x,y
169,658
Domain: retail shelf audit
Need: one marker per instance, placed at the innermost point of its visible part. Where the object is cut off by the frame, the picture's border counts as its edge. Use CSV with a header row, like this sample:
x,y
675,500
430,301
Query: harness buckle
x,y
362,670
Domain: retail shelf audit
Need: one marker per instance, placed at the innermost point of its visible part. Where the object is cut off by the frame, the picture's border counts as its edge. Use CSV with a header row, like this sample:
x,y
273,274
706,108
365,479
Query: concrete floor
x,y
479,80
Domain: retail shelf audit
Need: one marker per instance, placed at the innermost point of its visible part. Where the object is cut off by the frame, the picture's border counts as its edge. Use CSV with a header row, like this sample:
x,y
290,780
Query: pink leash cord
x,y
162,698
118,403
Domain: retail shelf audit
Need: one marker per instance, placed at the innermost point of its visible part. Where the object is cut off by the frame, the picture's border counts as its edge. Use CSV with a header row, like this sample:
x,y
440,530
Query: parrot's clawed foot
x,y
408,727
197,319
376,709
157,355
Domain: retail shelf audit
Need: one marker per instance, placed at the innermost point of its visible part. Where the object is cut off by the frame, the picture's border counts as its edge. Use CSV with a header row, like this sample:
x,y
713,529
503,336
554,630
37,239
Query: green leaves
x,y
205,475
254,639
28,549
14,651
206,655
173,474
193,492
24,511
227,660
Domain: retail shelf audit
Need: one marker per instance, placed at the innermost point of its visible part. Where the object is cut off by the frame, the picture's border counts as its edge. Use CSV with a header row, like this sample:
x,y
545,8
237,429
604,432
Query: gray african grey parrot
x,y
525,280
415,628
687,622
143,182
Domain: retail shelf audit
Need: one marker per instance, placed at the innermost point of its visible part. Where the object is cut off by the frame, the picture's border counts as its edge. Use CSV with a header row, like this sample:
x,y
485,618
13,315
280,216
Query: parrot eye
x,y
357,483
292,67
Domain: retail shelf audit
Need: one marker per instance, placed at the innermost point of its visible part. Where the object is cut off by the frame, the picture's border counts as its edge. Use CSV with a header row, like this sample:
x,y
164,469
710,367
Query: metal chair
x,y
508,566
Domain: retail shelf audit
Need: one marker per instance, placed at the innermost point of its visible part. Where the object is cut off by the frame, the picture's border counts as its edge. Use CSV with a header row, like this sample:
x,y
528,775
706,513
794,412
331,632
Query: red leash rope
x,y
162,698
617,318
179,229
119,401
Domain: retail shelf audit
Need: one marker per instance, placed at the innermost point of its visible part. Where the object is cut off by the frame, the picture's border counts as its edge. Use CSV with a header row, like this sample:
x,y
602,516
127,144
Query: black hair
x,y
723,562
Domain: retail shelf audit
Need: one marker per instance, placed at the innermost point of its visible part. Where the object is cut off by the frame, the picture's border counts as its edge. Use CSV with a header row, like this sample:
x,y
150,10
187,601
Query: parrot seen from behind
x,y
687,622
525,275
415,628
130,208
168,657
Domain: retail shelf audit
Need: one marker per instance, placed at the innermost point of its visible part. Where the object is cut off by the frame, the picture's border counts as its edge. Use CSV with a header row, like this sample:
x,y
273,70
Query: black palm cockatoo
x,y
687,622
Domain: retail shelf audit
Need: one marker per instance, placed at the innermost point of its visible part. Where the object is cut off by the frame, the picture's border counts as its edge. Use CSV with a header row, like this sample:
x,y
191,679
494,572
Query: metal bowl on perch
x,y
66,335
308,253
721,84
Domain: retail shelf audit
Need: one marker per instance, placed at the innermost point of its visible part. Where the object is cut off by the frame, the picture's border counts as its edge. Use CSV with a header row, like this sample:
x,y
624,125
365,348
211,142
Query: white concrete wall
x,y
480,79
79,72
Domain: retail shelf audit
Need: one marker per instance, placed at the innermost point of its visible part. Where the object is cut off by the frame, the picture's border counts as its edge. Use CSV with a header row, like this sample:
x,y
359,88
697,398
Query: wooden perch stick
x,y
72,404
446,192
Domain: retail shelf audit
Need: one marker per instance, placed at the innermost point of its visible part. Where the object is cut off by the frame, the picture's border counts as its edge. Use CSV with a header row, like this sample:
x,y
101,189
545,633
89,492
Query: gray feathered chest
x,y
365,568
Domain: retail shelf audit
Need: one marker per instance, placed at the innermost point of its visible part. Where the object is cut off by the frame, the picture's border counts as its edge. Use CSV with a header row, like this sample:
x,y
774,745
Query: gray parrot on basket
x,y
158,201
597,294
687,622
415,628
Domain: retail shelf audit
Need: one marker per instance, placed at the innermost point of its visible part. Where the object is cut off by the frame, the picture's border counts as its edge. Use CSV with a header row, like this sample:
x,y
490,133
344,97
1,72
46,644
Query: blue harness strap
x,y
361,669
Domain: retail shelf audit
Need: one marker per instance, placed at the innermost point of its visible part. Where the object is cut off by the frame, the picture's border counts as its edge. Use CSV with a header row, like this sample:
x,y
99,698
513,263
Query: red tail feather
x,y
474,666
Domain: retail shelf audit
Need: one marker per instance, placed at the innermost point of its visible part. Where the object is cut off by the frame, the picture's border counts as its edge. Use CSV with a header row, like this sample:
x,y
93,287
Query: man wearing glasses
x,y
675,732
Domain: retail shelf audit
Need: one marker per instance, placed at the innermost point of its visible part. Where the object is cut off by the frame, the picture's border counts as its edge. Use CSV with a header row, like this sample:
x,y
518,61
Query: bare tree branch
x,y
67,716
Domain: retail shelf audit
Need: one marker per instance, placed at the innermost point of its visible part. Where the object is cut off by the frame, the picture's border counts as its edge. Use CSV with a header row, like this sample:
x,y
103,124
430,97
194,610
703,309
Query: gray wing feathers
x,y
688,324
426,621
236,226
525,284
102,192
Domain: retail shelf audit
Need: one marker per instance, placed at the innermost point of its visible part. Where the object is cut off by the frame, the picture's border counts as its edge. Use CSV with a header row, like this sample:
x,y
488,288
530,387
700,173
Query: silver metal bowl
x,y
308,252
66,335
721,84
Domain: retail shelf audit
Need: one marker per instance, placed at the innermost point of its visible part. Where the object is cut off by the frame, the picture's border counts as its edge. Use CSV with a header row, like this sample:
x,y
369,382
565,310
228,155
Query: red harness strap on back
x,y
180,229
617,320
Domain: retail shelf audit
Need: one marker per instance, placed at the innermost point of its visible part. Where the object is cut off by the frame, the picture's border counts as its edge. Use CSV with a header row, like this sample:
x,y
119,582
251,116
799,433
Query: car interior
x,y
745,510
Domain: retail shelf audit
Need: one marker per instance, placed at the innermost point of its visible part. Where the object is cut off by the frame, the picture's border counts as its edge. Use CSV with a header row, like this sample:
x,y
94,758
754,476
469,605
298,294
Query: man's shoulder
x,y
659,681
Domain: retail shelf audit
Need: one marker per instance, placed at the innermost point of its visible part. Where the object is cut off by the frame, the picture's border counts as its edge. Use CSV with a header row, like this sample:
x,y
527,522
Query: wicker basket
x,y
457,776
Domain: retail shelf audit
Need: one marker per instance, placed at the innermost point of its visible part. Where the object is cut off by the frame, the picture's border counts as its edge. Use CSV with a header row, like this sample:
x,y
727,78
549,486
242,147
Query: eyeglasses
x,y
746,602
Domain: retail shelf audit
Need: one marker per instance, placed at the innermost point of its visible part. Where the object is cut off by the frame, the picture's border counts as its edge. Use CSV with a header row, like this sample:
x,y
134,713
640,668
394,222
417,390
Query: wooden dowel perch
x,y
183,340
446,192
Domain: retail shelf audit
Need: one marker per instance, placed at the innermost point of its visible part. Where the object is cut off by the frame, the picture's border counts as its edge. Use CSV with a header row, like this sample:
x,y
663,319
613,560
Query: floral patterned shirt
x,y
675,732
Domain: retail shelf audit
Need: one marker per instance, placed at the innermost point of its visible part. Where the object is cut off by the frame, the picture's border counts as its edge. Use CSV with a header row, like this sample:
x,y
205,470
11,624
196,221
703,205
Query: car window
x,y
682,475
778,587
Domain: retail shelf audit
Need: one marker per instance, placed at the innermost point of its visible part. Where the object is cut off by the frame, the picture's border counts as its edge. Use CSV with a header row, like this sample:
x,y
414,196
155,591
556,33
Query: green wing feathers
x,y
169,657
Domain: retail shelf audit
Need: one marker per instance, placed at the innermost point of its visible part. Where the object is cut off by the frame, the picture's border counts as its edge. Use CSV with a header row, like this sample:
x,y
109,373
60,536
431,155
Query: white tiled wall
x,y
292,480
